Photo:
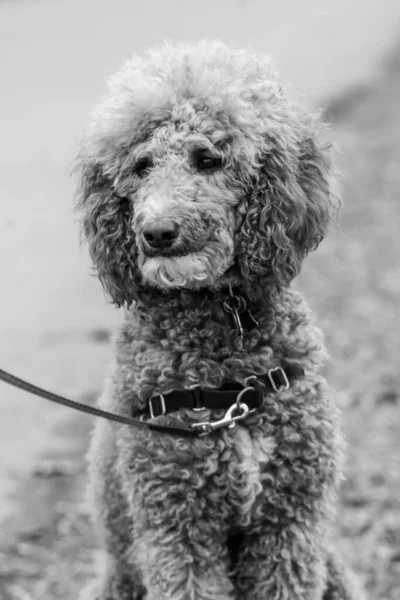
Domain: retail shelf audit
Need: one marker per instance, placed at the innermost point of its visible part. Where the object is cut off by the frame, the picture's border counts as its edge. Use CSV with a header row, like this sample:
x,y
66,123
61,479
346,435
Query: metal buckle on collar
x,y
163,407
278,379
228,420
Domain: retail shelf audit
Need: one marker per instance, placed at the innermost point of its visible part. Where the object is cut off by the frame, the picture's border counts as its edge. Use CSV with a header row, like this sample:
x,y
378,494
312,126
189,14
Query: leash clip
x,y
228,420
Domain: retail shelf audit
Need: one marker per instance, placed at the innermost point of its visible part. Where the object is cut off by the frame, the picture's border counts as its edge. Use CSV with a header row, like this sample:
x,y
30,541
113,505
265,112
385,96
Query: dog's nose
x,y
161,235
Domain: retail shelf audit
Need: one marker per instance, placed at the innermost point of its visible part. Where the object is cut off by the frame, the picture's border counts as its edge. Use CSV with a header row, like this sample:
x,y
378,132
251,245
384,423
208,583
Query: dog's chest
x,y
250,455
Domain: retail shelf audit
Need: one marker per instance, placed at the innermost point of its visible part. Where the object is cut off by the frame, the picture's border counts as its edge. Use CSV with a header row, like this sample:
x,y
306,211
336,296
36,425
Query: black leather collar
x,y
273,381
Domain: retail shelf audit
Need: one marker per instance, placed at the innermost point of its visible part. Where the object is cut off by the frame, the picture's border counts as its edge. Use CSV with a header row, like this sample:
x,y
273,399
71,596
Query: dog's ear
x,y
106,225
289,210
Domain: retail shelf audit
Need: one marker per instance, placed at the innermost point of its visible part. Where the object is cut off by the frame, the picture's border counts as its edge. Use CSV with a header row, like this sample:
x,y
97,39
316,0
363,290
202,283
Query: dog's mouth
x,y
173,252
171,271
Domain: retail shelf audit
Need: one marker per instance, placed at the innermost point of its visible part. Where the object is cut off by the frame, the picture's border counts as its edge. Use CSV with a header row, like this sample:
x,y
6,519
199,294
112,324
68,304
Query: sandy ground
x,y
54,322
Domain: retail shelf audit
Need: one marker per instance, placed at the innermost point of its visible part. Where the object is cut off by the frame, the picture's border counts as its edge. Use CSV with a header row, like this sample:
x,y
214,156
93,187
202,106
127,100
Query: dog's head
x,y
196,170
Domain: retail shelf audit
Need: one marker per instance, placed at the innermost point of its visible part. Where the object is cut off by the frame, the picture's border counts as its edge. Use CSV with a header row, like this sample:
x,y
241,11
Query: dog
x,y
202,189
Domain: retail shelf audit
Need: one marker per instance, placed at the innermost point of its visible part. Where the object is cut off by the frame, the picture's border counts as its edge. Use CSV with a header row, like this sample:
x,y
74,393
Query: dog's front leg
x,y
178,565
176,498
281,555
286,564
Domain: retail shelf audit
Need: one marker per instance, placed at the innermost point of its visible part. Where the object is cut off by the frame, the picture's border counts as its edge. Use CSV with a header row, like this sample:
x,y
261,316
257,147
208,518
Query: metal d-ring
x,y
249,378
242,393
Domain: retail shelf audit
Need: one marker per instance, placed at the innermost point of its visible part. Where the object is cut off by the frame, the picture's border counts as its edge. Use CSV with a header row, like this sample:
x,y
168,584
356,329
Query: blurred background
x,y
55,57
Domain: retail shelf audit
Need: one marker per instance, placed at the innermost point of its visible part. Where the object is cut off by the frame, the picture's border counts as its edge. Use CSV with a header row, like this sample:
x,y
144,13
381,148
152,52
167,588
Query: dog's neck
x,y
157,313
204,300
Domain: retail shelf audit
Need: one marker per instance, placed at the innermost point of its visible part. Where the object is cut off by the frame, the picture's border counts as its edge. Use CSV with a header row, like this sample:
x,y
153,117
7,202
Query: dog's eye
x,y
205,162
142,166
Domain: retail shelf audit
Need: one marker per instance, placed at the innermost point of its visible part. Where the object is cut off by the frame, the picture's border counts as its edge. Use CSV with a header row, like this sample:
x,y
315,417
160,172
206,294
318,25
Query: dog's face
x,y
196,170
184,202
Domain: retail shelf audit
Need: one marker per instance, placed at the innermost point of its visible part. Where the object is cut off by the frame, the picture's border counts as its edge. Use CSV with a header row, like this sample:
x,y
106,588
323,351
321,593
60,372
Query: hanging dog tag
x,y
237,307
236,318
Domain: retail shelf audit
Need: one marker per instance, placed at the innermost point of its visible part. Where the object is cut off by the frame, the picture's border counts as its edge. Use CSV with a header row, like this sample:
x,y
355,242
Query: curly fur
x,y
241,513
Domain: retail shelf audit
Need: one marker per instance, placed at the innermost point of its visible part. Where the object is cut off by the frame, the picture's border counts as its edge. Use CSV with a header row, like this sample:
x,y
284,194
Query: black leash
x,y
238,403
91,410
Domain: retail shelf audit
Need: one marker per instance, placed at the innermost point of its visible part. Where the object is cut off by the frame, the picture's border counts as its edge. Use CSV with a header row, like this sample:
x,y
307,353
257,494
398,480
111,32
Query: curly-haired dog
x,y
202,190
